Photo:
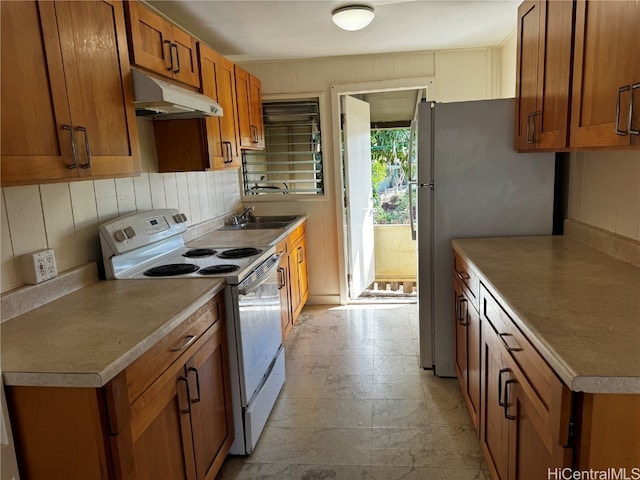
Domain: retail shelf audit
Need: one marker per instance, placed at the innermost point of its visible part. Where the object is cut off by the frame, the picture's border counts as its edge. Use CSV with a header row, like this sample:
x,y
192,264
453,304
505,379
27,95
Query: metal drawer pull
x,y
87,148
510,349
461,318
175,45
197,399
626,88
634,87
189,340
506,400
502,370
74,150
186,382
168,42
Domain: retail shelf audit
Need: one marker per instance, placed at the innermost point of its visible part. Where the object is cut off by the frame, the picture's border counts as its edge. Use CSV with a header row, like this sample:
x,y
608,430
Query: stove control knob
x,y
180,217
119,235
130,232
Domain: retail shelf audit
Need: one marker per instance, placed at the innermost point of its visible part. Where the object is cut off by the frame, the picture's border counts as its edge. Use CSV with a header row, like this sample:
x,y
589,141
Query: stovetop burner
x,y
171,269
218,269
199,252
239,252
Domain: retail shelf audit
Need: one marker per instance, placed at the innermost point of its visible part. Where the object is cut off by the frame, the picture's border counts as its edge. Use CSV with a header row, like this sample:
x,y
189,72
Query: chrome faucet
x,y
244,217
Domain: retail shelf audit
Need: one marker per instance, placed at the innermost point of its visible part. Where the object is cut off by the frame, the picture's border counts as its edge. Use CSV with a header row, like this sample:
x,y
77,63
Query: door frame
x,y
337,91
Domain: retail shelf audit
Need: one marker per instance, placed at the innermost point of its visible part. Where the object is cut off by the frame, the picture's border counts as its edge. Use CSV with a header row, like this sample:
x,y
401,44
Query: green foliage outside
x,y
389,174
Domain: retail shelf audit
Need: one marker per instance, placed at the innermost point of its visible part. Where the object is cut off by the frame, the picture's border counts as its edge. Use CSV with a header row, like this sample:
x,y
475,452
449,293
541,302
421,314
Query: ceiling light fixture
x,y
353,17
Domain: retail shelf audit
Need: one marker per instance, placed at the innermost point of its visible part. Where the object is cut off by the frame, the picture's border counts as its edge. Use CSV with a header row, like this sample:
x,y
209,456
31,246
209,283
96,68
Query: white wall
x,y
604,191
508,67
65,216
459,75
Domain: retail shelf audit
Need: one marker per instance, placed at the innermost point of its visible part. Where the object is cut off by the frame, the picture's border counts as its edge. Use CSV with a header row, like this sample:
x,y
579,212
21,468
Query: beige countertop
x,y
87,337
579,307
245,238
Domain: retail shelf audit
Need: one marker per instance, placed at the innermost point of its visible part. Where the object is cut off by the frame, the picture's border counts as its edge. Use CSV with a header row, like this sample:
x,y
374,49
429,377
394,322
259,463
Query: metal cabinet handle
x,y
189,340
506,399
87,148
625,88
300,255
463,275
634,87
529,129
228,158
175,46
502,371
535,130
168,42
464,319
281,278
254,134
186,382
74,150
195,370
509,348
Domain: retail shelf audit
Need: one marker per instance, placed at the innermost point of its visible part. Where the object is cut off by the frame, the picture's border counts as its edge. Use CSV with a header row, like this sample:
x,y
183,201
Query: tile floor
x,y
356,406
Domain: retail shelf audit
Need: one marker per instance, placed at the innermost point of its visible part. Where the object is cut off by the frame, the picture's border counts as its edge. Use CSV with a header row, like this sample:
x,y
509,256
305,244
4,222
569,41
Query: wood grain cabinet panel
x,y
249,101
61,63
160,46
543,75
606,82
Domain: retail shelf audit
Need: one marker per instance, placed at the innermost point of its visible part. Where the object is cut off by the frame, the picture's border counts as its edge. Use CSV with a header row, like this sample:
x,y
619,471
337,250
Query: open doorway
x,y
380,254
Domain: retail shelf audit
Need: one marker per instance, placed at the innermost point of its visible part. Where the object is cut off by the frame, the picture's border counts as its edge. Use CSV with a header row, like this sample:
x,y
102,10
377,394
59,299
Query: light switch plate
x,y
38,266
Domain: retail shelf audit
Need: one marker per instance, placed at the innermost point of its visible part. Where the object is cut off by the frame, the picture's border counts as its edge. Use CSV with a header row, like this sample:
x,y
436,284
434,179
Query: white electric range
x,y
150,244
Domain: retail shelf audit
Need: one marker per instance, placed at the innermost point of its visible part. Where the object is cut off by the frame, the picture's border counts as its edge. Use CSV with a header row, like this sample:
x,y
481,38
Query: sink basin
x,y
265,222
256,226
273,219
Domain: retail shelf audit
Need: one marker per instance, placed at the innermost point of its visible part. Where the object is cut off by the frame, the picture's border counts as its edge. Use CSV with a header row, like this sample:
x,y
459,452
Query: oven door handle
x,y
253,281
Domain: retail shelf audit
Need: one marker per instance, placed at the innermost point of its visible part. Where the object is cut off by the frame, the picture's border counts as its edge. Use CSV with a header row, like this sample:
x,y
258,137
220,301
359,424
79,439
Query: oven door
x,y
258,327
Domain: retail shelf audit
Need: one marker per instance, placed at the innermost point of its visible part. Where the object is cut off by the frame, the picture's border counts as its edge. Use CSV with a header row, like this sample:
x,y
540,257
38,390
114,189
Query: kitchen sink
x,y
266,222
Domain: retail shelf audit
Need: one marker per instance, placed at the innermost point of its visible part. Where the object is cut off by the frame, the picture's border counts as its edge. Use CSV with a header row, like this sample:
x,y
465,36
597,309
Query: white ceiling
x,y
247,30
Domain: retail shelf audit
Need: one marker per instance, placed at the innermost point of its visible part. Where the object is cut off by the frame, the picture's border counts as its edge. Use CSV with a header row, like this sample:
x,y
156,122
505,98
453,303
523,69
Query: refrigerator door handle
x,y
430,185
412,219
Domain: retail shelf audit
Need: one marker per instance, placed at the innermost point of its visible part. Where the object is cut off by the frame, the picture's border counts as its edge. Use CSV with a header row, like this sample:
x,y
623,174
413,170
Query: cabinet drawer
x,y
467,277
141,373
281,248
535,368
296,234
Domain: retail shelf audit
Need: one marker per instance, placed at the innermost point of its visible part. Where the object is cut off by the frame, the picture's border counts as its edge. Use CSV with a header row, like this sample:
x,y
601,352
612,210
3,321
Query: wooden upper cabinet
x,y
218,82
160,46
67,101
249,98
606,82
543,75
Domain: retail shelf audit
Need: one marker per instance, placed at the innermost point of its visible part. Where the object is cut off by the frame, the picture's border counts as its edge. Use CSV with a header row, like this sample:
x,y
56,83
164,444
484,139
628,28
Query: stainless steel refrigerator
x,y
470,183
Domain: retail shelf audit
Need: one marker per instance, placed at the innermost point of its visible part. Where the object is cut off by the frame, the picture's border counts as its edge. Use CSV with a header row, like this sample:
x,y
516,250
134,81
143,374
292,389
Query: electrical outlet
x,y
38,266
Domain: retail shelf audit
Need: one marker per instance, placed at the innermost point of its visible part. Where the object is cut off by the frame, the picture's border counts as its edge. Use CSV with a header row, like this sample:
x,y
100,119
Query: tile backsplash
x,y
65,216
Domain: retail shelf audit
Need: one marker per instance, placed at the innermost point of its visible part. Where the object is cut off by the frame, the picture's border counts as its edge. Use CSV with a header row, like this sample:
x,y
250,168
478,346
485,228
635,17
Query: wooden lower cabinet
x,y
180,426
467,365
293,280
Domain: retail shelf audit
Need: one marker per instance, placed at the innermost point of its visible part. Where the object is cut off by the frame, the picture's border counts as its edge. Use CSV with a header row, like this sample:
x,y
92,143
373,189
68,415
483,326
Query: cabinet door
x,y
243,89
301,284
605,69
185,58
94,54
218,83
257,123
211,414
151,39
35,109
494,427
543,75
161,430
527,73
284,288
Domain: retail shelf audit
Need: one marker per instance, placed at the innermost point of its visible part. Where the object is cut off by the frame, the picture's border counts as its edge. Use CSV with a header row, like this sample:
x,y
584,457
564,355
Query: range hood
x,y
160,100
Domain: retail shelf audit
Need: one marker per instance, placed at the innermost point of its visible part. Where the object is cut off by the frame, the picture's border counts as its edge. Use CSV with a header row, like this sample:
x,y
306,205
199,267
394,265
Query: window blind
x,y
291,163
